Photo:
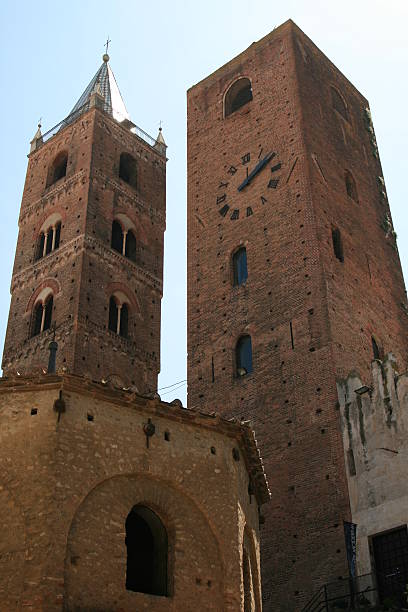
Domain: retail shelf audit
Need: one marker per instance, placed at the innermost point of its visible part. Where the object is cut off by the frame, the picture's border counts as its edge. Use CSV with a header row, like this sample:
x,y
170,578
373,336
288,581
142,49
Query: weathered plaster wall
x,y
375,428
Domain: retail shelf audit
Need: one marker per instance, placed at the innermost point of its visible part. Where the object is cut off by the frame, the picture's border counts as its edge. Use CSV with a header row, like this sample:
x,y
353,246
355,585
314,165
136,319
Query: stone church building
x,y
113,500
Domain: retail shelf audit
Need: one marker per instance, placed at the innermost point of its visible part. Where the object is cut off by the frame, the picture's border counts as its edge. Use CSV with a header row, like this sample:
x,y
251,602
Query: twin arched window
x,y
118,316
147,552
49,240
123,241
58,168
128,169
42,315
239,94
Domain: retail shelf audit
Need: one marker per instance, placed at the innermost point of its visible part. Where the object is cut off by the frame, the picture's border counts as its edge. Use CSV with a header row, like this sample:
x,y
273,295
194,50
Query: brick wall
x,y
85,270
294,287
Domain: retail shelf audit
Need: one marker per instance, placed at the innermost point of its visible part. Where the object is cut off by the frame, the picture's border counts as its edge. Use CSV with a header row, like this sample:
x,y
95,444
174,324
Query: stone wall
x,y
68,482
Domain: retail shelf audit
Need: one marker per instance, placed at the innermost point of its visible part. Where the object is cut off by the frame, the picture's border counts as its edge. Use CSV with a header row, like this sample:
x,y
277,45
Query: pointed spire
x,y
160,137
160,142
103,84
37,140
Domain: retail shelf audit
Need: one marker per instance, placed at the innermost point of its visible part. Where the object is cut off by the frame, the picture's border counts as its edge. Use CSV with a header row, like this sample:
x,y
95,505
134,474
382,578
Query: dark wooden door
x,y
391,563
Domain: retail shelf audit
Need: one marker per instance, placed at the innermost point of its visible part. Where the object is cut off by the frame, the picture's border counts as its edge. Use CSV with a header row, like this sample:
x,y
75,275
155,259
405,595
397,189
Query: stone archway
x,y
95,563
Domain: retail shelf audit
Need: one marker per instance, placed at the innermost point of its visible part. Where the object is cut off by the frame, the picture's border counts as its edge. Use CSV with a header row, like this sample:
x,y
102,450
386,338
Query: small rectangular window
x,y
239,264
337,244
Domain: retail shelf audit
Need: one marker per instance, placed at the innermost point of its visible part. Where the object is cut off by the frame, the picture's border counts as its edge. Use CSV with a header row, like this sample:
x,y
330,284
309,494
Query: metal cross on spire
x,y
106,45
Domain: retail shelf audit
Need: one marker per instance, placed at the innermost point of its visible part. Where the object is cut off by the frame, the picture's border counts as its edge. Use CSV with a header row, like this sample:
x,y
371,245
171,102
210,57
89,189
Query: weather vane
x,y
107,44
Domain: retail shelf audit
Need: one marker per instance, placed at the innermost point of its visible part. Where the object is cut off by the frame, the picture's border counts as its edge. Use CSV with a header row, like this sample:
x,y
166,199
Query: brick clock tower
x,y
294,281
88,268
110,498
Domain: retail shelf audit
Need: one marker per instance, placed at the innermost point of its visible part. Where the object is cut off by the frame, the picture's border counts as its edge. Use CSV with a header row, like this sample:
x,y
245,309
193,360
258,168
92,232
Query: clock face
x,y
236,197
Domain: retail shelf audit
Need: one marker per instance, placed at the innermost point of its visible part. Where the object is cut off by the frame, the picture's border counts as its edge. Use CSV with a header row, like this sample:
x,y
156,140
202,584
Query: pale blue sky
x,y
51,49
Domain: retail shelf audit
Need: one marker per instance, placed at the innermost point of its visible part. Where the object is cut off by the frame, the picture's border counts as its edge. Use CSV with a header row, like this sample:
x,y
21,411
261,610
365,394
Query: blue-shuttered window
x,y
239,265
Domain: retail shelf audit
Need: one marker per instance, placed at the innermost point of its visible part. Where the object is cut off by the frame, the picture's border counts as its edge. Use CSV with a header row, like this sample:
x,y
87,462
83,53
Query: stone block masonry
x,y
69,481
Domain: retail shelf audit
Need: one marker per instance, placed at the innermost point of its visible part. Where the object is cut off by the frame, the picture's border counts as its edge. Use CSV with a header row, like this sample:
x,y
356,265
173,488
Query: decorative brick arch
x,y
48,282
139,229
89,546
122,288
43,218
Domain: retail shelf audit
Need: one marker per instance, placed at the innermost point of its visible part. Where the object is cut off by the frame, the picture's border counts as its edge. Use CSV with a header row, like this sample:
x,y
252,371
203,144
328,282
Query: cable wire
x,y
173,385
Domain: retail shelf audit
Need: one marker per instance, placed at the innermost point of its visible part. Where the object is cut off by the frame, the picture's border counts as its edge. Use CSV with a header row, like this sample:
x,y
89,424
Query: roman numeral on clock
x,y
273,183
232,170
276,167
235,215
223,211
221,198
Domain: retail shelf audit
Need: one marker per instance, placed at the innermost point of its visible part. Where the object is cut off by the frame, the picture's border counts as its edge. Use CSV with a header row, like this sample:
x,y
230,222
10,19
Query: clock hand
x,y
261,164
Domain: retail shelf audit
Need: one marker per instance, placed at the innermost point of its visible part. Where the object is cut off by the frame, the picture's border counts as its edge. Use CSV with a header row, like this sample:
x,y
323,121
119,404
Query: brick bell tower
x,y
88,268
294,280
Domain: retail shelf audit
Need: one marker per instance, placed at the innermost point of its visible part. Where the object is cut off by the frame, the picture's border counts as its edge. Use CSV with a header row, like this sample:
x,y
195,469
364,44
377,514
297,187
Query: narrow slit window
x,y
243,356
337,244
239,265
351,187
